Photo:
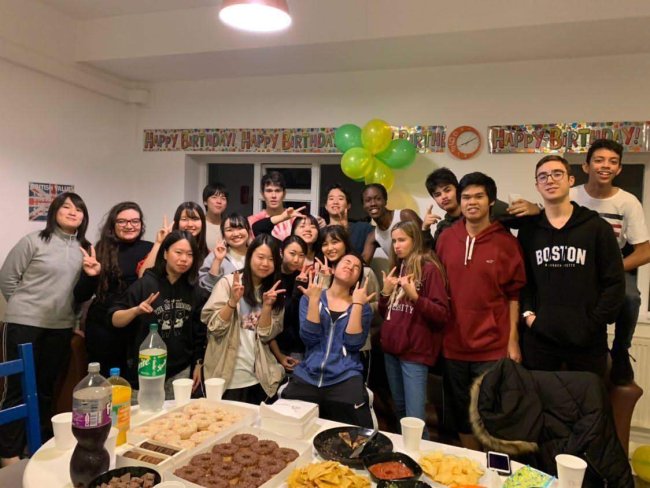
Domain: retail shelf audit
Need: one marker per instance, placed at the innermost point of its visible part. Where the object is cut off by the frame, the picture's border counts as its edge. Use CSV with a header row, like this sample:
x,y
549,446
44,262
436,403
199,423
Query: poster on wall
x,y
41,196
574,137
312,140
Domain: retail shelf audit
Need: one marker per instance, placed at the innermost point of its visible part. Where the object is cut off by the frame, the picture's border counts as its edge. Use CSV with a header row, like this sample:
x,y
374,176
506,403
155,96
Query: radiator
x,y
640,350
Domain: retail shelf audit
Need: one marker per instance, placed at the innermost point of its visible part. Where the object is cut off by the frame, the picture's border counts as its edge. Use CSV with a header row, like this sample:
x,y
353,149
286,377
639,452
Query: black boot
x,y
622,372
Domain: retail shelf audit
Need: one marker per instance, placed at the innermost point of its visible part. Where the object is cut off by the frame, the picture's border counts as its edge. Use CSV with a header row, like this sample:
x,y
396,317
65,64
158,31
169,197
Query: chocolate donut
x,y
204,460
225,449
227,471
243,440
286,454
190,473
214,481
245,457
272,464
255,475
264,447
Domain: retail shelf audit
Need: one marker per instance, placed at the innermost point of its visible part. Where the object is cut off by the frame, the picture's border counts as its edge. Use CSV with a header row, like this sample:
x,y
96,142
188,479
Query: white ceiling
x,y
164,40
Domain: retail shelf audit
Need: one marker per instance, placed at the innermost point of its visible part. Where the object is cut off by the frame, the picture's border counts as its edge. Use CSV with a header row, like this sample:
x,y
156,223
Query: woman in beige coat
x,y
244,312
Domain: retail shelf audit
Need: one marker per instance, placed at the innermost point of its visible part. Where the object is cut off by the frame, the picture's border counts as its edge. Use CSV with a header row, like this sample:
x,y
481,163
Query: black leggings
x,y
51,355
345,402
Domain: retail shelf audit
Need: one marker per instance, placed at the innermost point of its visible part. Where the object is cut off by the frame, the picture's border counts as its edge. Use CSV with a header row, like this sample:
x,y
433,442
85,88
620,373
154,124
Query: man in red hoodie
x,y
486,271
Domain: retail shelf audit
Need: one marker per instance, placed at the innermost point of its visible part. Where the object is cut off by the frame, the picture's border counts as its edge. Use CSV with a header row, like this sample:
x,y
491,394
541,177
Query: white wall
x,y
53,132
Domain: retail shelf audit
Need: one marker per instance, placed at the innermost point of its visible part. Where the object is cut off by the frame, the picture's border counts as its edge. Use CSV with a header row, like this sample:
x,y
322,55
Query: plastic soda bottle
x,y
121,410
152,367
91,423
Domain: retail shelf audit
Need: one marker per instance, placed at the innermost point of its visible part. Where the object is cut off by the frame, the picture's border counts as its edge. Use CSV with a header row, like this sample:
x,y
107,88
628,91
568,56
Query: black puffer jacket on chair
x,y
542,414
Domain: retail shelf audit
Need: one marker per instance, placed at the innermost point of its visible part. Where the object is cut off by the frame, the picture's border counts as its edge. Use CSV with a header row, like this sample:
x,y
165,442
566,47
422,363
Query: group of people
x,y
281,303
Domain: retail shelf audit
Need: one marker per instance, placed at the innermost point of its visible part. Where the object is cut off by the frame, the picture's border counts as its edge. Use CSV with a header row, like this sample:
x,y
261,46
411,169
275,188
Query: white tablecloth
x,y
49,467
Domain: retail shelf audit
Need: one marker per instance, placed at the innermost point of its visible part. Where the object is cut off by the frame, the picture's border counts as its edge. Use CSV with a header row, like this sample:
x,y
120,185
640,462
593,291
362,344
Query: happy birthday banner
x,y
575,137
424,138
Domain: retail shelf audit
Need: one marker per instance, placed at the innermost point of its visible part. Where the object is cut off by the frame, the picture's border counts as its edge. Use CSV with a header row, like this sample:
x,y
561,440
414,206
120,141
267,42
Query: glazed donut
x,y
286,454
174,416
167,436
194,408
264,447
273,465
204,460
185,429
183,444
217,426
202,421
225,449
161,424
245,457
190,473
244,440
227,471
199,437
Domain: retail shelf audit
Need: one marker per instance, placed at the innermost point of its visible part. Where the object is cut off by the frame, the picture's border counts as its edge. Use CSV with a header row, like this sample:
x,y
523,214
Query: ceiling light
x,y
256,15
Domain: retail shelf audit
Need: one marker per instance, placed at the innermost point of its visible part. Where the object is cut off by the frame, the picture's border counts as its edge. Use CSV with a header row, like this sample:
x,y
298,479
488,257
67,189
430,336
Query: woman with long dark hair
x,y
243,314
167,294
37,280
119,250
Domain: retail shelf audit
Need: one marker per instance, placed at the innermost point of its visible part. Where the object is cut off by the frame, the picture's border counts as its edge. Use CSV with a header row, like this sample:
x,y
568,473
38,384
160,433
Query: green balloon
x,y
399,154
356,162
347,136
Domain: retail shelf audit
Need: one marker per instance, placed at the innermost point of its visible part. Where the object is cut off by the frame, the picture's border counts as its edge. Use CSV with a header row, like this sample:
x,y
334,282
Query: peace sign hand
x,y
314,288
90,265
304,273
269,297
430,219
145,307
322,267
408,285
220,250
390,281
360,294
237,290
164,230
290,212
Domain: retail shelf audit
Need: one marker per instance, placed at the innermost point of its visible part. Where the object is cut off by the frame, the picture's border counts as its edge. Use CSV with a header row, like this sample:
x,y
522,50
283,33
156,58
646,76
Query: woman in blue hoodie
x,y
334,325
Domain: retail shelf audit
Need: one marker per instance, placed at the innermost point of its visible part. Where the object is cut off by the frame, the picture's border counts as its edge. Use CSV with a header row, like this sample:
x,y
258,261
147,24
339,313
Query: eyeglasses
x,y
555,175
125,222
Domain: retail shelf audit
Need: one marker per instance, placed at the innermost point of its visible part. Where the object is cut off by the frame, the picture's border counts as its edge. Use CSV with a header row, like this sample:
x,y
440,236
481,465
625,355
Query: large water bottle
x,y
151,371
91,423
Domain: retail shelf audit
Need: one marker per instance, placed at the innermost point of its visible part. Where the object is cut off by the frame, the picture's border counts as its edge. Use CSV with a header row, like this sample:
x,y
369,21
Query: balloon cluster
x,y
371,154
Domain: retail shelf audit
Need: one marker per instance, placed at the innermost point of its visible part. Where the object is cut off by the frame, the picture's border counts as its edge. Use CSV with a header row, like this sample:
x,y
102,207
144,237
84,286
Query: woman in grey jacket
x,y
37,280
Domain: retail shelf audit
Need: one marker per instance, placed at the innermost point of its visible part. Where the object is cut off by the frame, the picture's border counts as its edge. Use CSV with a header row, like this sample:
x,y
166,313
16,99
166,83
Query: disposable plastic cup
x,y
412,429
214,388
110,443
570,470
62,428
182,390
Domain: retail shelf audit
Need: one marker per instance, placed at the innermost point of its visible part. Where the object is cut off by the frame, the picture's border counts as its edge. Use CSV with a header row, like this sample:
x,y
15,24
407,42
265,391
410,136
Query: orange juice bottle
x,y
121,410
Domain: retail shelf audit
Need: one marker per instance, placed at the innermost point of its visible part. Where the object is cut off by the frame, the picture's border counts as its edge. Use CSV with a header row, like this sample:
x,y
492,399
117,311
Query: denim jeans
x,y
408,386
628,316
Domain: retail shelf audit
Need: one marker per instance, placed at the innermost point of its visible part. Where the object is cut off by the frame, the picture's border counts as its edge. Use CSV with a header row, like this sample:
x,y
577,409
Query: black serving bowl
x,y
136,471
372,459
330,446
403,484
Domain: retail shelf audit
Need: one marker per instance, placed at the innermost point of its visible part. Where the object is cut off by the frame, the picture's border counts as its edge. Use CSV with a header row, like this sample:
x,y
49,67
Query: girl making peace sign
x,y
243,314
334,325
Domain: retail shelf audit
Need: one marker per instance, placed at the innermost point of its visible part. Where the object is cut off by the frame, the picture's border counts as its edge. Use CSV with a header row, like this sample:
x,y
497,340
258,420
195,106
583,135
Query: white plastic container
x,y
291,418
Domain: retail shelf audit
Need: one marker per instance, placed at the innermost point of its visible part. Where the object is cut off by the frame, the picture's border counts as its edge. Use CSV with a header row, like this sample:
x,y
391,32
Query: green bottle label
x,y
152,365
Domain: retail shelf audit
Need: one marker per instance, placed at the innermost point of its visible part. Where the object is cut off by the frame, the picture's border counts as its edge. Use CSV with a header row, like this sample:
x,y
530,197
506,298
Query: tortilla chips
x,y
451,470
326,474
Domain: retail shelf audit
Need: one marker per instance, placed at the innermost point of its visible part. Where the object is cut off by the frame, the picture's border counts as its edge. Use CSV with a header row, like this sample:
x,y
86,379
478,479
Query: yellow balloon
x,y
376,135
381,174
641,462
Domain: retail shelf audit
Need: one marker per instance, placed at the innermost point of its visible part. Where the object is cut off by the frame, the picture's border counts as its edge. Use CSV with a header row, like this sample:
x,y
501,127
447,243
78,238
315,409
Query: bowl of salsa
x,y
391,466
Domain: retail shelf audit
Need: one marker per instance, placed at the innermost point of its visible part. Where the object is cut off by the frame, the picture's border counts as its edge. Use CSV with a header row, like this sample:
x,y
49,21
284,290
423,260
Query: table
x,y
49,467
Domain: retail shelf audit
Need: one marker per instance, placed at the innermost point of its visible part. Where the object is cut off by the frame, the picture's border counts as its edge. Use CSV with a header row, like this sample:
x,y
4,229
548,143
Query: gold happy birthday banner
x,y
313,140
574,137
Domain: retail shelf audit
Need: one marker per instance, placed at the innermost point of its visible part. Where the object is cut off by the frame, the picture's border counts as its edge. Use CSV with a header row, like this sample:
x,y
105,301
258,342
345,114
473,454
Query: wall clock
x,y
464,142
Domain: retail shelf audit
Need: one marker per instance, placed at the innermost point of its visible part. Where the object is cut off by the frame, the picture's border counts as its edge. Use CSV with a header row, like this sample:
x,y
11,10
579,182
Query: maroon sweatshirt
x,y
485,273
412,331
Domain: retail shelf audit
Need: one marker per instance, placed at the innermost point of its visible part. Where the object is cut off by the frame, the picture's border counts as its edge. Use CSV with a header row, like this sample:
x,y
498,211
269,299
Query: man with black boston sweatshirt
x,y
576,283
